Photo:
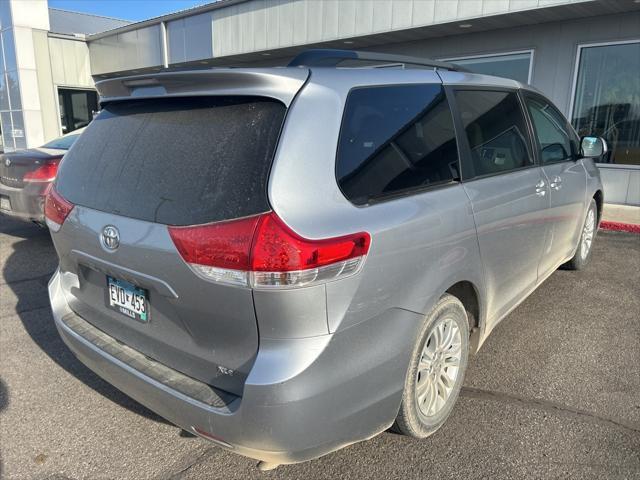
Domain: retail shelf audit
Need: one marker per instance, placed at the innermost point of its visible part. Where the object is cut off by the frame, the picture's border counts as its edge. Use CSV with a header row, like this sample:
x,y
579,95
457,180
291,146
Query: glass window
x,y
555,138
515,65
394,139
178,161
9,50
7,128
13,90
4,92
496,131
76,108
62,143
607,99
17,132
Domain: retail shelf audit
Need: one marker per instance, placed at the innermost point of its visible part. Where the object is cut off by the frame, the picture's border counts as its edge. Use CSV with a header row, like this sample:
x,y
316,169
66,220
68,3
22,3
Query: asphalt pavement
x,y
554,392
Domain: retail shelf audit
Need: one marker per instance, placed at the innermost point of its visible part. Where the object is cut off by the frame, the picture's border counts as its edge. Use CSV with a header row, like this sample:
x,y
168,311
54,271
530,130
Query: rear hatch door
x,y
145,164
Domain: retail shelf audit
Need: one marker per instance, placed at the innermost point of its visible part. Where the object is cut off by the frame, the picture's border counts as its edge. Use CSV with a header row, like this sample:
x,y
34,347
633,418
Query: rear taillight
x,y
44,173
218,251
56,209
262,252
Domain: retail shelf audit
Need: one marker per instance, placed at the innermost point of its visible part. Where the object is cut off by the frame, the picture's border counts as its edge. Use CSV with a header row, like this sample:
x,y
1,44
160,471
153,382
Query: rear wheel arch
x,y
467,293
469,296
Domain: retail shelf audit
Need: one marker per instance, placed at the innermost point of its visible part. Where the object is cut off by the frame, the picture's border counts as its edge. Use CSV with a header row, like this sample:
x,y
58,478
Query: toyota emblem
x,y
110,237
7,162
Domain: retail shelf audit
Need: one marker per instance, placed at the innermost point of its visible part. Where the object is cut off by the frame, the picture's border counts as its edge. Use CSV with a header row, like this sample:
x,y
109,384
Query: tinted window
x,y
495,127
62,143
393,139
175,161
556,140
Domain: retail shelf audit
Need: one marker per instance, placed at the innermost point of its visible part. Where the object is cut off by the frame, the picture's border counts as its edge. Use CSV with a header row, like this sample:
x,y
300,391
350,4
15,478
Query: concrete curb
x,y
620,226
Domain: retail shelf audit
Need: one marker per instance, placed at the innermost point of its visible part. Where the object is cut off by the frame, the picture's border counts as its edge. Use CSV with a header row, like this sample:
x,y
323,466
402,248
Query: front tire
x,y
587,236
436,371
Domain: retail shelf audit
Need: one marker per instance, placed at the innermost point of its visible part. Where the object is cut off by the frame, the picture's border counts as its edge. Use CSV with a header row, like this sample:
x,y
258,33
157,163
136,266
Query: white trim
x,y
576,67
164,44
531,52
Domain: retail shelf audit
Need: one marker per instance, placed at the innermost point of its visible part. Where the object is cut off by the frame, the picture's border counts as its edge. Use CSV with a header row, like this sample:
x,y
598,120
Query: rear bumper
x,y
303,398
26,203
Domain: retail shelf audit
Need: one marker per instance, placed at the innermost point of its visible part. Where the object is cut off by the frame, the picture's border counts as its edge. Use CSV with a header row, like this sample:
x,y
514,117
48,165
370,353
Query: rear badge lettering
x,y
225,370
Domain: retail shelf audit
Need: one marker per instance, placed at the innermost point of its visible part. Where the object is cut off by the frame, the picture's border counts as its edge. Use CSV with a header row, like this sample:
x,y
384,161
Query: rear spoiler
x,y
279,83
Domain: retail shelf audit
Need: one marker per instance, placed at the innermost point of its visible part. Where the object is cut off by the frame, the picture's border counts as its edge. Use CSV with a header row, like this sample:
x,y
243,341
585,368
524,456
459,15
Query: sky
x,y
133,10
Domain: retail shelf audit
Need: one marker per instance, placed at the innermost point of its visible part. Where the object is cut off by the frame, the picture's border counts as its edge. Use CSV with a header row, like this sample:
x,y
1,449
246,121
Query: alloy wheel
x,y
439,367
587,234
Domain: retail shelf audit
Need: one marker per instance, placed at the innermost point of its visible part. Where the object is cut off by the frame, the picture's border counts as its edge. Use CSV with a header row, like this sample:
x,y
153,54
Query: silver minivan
x,y
286,261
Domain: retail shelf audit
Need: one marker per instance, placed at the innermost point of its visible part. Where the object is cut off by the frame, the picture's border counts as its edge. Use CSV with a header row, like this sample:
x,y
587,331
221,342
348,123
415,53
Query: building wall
x,y
555,46
555,50
70,63
139,48
48,100
268,24
20,115
260,25
61,62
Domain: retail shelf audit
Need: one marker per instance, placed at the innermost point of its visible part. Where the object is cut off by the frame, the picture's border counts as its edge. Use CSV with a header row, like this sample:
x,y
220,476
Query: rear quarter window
x,y
393,140
176,161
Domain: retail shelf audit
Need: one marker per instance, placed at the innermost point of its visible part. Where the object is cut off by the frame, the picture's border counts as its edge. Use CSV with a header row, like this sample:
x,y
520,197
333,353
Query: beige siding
x,y
555,47
128,50
70,63
259,25
267,24
46,89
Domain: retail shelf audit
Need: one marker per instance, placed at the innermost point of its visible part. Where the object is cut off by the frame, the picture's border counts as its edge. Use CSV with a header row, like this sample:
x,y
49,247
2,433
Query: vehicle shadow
x,y
16,228
30,262
4,395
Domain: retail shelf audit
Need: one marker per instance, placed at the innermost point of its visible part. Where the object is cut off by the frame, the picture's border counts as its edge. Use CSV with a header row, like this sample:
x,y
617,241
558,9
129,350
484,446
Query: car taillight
x,y
218,251
44,173
56,209
262,252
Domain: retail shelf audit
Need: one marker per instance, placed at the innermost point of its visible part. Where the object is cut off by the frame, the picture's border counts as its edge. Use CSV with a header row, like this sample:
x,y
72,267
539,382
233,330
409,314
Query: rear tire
x,y
587,236
436,371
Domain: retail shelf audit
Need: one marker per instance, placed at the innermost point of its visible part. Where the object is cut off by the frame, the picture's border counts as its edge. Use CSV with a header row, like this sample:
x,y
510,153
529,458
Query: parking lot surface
x,y
554,392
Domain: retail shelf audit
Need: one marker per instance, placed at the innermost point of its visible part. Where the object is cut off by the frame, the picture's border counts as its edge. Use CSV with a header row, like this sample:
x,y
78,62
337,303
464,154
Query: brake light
x,y
262,252
56,209
217,251
44,173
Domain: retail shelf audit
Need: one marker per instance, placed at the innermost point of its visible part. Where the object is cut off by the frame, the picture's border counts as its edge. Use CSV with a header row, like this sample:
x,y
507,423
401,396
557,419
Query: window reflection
x,y
495,129
395,139
515,66
607,99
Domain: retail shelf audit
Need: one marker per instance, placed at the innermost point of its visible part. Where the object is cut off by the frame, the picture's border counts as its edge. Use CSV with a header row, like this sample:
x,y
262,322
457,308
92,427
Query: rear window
x,y
176,161
395,139
62,143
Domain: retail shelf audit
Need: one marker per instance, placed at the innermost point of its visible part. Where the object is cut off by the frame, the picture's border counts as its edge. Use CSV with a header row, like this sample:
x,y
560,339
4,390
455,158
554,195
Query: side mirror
x,y
593,147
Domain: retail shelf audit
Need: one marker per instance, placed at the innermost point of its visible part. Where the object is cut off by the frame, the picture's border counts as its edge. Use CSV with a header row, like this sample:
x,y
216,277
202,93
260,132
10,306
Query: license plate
x,y
5,203
127,299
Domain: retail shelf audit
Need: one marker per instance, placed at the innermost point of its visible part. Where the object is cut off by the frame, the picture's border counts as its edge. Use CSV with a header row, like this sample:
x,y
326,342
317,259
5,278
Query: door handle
x,y
556,183
541,191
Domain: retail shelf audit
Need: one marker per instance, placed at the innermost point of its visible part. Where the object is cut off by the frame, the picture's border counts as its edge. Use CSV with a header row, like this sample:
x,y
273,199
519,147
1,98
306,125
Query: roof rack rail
x,y
327,57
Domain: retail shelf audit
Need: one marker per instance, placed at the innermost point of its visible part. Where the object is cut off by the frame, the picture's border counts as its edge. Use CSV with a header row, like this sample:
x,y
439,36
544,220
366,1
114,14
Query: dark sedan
x,y
26,175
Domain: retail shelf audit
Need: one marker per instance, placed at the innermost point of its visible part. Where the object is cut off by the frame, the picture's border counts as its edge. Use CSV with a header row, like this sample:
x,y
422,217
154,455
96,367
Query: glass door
x,y
77,108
